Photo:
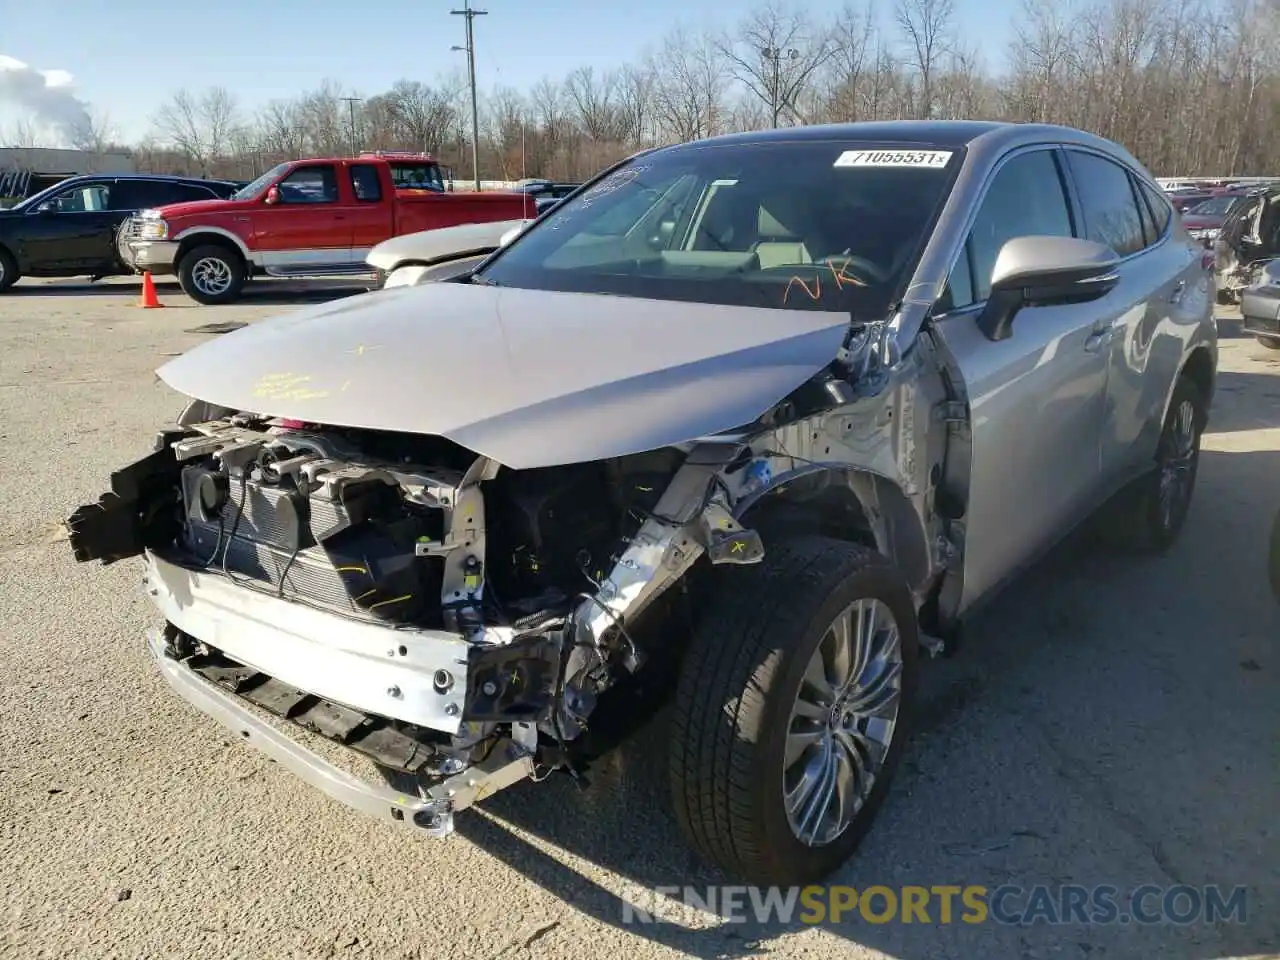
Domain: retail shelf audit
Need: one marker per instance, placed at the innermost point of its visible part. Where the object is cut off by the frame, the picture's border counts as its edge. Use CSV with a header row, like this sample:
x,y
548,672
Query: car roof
x,y
946,133
164,177
986,138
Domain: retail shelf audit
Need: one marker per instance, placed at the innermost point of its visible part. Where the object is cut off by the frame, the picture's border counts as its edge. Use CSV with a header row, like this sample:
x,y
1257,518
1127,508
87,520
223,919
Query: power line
x,y
471,15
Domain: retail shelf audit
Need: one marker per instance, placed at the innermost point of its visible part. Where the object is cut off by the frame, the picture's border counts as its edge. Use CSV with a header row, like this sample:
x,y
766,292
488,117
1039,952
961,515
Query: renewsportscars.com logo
x,y
1146,904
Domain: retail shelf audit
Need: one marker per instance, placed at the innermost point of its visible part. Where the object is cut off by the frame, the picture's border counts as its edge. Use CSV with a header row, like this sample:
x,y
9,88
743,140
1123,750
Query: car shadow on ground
x,y
1247,401
1069,742
265,291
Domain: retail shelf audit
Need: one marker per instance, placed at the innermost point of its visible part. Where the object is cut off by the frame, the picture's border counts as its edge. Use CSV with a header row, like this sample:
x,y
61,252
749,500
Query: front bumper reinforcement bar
x,y
431,815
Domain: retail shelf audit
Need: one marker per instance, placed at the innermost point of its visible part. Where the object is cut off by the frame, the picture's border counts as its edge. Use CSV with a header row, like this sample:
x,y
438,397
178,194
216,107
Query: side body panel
x,y
1036,412
1046,429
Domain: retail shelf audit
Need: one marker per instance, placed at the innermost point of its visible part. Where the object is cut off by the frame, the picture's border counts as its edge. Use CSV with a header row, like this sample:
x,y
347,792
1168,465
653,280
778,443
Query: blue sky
x,y
128,57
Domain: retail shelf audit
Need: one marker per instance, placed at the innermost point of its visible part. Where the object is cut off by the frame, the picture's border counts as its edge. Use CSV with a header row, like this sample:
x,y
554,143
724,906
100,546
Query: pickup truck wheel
x,y
8,270
790,711
211,274
1271,343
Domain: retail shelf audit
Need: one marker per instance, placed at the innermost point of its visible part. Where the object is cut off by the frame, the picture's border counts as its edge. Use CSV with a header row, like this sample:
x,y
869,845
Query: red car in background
x,y
304,218
1205,219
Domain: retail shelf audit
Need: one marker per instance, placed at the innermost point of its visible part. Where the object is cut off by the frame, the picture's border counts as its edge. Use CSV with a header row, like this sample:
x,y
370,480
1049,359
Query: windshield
x,y
805,225
249,191
1217,207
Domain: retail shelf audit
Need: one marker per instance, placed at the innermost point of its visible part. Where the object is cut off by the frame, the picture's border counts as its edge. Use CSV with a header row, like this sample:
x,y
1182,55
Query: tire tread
x,y
733,659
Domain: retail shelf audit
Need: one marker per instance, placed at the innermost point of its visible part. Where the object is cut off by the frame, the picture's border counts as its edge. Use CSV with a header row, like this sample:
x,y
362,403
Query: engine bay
x,y
359,522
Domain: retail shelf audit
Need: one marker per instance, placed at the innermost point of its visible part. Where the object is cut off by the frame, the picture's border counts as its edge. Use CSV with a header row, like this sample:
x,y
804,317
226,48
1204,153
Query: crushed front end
x,y
450,620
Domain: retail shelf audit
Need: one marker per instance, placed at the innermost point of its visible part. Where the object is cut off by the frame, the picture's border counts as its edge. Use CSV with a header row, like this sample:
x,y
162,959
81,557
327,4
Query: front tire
x,y
212,274
790,713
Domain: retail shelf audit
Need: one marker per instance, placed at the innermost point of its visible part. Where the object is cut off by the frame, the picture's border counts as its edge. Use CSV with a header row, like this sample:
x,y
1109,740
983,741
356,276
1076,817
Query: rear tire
x,y
212,274
738,709
8,270
1271,343
1148,517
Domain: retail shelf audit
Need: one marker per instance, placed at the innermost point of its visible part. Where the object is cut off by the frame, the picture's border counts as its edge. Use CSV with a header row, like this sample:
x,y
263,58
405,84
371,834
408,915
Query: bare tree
x,y
95,132
1189,86
596,102
636,102
1042,52
689,94
506,125
845,72
282,129
926,27
199,126
775,53
23,134
422,117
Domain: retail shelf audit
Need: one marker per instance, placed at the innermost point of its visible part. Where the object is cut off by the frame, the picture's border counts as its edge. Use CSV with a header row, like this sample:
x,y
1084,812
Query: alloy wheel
x,y
211,276
1177,470
843,721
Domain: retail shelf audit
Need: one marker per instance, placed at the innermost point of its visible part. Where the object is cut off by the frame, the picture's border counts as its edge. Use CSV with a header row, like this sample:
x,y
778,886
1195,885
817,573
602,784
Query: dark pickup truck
x,y
69,229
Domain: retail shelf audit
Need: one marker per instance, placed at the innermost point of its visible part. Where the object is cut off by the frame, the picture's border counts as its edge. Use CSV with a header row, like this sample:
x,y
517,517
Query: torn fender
x,y
529,378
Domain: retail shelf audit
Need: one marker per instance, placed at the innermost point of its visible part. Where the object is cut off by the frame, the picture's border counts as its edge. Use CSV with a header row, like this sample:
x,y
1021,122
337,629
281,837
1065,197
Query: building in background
x,y
28,170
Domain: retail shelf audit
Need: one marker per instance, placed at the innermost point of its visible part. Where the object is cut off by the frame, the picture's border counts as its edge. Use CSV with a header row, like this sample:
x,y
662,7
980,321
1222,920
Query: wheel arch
x,y
194,237
852,504
1200,368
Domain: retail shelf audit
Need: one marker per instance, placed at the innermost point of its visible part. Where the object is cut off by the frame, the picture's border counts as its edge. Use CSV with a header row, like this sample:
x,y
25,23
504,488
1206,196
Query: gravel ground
x,y
1108,722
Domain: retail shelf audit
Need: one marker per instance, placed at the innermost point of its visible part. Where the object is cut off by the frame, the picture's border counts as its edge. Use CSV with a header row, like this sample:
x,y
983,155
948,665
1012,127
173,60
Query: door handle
x,y
339,216
1179,289
1099,339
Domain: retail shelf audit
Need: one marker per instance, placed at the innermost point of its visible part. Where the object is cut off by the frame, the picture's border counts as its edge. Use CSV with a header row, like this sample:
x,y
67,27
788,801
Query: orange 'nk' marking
x,y
840,276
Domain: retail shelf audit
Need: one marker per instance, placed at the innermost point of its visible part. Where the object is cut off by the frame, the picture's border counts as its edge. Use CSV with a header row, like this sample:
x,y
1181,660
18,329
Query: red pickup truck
x,y
303,218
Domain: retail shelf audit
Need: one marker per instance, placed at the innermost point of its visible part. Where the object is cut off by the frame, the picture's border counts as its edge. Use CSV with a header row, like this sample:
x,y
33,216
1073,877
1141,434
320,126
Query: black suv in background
x,y
69,229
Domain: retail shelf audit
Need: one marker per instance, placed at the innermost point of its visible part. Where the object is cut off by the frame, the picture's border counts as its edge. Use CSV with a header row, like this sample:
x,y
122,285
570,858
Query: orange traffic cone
x,y
149,299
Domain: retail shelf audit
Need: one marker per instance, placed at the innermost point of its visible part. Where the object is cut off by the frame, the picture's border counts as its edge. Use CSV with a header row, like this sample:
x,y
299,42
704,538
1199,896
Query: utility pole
x,y
351,112
471,14
776,56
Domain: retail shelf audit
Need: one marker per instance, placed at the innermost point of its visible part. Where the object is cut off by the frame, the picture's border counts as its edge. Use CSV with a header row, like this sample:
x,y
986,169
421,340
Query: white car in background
x,y
414,258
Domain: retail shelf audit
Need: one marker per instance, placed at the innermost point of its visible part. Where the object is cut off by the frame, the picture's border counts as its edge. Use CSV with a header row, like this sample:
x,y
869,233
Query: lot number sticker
x,y
893,158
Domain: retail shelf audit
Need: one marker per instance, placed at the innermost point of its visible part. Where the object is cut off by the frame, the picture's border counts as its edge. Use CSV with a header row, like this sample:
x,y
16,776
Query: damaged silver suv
x,y
744,425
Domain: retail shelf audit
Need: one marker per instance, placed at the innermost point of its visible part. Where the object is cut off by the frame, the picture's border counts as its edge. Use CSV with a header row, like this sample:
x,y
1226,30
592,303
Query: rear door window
x,y
187,192
1111,213
141,194
365,183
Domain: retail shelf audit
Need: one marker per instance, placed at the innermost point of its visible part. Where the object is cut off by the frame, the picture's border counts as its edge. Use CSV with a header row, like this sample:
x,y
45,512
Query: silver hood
x,y
529,378
430,245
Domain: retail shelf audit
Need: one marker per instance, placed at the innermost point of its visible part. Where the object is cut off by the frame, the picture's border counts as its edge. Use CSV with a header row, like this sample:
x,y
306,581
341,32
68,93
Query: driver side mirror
x,y
273,196
1042,272
47,208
